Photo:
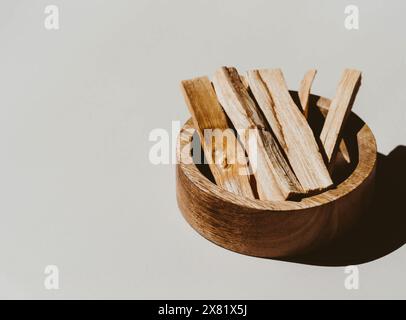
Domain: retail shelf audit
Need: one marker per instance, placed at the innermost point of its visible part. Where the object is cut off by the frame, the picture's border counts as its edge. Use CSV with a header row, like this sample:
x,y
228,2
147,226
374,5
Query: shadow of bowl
x,y
380,230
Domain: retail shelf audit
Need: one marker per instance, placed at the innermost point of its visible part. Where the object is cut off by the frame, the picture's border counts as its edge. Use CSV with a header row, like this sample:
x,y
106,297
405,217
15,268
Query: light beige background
x,y
76,108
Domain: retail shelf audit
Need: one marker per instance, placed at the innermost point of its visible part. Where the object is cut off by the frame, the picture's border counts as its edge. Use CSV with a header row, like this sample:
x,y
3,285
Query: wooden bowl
x,y
286,228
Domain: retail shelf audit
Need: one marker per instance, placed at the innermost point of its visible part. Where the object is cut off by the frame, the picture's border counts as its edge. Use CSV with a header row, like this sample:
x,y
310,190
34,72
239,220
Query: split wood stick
x,y
275,178
338,112
244,82
343,155
291,129
304,93
223,156
304,90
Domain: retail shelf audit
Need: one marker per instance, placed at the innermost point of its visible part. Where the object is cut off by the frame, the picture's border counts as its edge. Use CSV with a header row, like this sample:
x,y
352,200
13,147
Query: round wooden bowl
x,y
286,228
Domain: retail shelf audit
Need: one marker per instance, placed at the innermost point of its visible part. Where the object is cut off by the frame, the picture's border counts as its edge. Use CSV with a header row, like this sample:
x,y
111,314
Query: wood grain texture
x,y
304,90
275,179
244,82
343,156
291,129
339,110
277,229
221,151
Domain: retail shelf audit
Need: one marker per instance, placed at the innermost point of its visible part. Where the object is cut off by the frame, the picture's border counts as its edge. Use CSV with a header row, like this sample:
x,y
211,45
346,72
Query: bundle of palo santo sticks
x,y
283,158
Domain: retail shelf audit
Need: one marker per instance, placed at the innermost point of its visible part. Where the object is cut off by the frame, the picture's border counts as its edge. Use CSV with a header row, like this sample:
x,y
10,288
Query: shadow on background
x,y
381,229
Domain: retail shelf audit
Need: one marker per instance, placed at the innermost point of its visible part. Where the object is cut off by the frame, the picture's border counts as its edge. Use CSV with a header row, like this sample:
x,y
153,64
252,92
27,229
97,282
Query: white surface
x,y
77,105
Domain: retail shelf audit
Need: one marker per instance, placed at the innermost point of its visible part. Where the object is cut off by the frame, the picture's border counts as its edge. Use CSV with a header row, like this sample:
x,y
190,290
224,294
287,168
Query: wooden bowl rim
x,y
367,153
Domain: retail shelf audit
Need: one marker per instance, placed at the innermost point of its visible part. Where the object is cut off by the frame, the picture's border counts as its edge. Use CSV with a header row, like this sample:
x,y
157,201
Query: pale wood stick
x,y
228,171
343,154
244,81
275,178
304,90
291,128
265,102
338,112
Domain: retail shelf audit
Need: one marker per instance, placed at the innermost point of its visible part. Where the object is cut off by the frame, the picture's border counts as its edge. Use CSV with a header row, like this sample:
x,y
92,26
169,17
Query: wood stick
x,y
291,128
228,170
265,102
342,154
304,90
338,112
244,82
275,178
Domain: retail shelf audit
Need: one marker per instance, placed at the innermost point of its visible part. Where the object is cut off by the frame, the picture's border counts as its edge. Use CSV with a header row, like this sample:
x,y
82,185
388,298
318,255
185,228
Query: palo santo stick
x,y
304,93
291,128
337,114
275,178
229,171
343,155
304,90
244,81
265,102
